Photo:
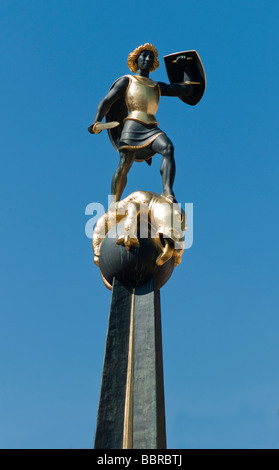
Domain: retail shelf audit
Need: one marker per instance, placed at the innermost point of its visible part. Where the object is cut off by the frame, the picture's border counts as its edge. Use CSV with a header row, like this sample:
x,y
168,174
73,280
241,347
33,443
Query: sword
x,y
99,126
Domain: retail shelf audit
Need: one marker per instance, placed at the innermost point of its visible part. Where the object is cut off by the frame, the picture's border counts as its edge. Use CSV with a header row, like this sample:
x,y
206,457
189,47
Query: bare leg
x,y
119,179
164,147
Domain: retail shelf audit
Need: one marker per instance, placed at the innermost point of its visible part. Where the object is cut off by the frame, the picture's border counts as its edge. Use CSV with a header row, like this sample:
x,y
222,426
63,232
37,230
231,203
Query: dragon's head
x,y
168,224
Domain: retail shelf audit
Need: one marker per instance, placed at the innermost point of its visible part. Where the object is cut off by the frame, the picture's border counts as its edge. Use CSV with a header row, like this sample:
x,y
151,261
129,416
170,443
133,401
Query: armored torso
x,y
142,99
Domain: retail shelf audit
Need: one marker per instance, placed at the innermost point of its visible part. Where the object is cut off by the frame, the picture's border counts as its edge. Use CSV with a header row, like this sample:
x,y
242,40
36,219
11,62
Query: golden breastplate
x,y
142,99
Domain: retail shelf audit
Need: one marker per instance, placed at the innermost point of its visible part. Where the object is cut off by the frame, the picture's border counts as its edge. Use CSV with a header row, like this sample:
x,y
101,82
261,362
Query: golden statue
x,y
130,108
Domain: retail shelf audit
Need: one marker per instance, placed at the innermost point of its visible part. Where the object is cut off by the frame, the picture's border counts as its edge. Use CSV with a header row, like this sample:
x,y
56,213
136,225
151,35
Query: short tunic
x,y
136,135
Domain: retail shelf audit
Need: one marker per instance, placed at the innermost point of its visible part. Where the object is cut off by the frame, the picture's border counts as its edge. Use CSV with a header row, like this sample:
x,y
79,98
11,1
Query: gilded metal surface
x,y
187,58
100,126
166,219
128,413
95,129
142,99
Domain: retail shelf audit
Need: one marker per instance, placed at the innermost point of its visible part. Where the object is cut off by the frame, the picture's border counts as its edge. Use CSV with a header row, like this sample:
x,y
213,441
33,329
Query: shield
x,y
190,70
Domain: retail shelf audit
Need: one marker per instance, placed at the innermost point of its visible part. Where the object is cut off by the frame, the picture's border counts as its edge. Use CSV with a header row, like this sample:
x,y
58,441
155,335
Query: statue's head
x,y
143,57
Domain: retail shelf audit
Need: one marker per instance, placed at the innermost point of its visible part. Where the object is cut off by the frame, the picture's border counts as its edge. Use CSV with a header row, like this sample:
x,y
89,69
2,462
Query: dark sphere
x,y
135,267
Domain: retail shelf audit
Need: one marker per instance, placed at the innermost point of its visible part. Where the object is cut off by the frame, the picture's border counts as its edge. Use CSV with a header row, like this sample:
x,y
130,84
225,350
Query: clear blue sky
x,y
220,308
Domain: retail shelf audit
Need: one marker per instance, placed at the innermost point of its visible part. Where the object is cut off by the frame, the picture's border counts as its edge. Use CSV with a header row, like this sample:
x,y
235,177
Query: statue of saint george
x,y
130,108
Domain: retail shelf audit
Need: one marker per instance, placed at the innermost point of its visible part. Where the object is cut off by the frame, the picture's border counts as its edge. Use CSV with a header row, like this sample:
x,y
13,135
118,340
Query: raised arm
x,y
115,92
179,89
176,89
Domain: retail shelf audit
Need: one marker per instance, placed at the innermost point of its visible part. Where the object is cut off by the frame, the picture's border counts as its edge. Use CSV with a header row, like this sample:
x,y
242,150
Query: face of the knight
x,y
145,60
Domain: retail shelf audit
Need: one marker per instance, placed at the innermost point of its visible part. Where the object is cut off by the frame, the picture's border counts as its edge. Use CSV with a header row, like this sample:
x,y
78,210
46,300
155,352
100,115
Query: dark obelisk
x,y
131,413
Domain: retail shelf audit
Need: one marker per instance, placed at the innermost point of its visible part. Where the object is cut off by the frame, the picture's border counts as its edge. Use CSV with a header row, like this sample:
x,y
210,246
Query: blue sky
x,y
220,308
